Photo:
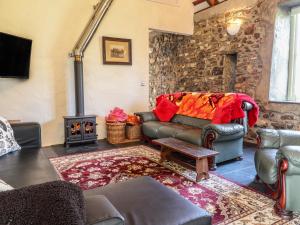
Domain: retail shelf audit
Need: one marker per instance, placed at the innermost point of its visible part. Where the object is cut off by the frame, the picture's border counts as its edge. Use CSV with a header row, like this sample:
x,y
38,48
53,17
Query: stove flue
x,y
81,128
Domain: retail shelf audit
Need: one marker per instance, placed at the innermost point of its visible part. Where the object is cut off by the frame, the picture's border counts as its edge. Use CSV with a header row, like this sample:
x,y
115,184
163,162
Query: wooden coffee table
x,y
200,154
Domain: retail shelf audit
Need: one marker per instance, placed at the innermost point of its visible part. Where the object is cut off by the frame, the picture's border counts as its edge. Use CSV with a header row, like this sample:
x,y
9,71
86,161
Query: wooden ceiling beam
x,y
197,2
212,2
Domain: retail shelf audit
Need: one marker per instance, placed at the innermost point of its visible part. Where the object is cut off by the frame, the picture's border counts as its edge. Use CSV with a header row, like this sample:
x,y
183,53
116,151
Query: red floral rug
x,y
228,202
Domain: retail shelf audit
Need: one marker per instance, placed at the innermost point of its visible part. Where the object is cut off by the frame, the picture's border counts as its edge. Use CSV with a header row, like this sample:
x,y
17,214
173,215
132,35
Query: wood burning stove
x,y
82,128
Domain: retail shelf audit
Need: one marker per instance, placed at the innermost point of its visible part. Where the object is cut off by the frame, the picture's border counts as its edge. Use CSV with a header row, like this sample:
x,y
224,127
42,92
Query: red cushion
x,y
165,110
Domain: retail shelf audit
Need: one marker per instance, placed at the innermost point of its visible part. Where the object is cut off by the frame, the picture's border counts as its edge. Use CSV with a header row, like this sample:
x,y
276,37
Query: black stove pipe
x,y
83,41
79,93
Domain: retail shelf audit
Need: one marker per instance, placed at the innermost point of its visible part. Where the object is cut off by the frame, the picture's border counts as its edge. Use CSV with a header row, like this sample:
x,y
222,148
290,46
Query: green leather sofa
x,y
227,139
277,163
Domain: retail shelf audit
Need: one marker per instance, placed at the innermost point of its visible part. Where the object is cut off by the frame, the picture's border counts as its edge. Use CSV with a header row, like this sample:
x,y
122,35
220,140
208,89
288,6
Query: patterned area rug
x,y
228,202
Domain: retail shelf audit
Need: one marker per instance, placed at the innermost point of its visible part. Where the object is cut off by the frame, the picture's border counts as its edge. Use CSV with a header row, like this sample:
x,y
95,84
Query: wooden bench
x,y
199,154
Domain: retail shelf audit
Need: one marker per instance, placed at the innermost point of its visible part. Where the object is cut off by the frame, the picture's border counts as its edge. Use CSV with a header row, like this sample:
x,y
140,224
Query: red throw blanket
x,y
220,108
233,110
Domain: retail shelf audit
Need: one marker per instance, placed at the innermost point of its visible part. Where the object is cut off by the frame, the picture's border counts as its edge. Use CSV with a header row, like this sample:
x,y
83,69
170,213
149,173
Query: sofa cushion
x,y
192,136
171,129
144,201
4,186
266,165
150,128
7,140
190,121
165,110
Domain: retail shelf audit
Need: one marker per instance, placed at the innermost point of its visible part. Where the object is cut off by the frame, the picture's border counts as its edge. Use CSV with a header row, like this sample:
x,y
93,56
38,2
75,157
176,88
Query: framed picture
x,y
116,51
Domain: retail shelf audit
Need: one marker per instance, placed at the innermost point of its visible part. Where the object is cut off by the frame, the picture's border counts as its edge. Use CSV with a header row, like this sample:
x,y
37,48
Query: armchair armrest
x,y
100,211
146,116
221,132
292,155
268,138
289,137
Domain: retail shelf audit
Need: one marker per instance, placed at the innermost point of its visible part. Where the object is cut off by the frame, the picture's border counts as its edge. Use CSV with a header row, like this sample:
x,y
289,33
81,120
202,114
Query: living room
x,y
149,112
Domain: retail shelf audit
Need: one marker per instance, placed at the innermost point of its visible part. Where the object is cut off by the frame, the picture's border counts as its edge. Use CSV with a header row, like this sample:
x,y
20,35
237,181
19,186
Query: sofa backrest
x,y
191,121
196,122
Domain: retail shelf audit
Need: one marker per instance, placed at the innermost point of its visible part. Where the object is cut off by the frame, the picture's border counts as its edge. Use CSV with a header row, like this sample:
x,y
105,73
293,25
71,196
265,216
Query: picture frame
x,y
116,51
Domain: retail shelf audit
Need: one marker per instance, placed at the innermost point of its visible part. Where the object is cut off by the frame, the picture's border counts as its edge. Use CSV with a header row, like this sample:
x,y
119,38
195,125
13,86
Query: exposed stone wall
x,y
203,62
162,78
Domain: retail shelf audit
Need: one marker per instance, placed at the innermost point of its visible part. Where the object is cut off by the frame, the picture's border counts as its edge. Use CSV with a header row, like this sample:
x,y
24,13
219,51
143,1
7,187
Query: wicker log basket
x,y
133,131
115,132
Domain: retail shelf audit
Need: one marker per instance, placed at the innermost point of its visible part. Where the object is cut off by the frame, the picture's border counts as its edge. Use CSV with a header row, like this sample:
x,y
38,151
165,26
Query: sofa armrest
x,y
289,137
268,138
247,106
27,135
221,132
100,211
146,116
292,155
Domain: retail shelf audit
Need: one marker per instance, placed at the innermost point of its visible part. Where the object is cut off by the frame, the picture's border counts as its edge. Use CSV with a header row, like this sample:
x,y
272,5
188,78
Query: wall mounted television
x,y
14,56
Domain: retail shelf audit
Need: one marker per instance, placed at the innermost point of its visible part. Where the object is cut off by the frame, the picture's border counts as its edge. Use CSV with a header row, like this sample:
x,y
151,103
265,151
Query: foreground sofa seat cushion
x,y
100,211
144,201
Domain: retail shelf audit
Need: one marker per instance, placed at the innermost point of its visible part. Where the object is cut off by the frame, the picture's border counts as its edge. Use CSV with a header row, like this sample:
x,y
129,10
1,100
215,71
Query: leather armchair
x,y
277,164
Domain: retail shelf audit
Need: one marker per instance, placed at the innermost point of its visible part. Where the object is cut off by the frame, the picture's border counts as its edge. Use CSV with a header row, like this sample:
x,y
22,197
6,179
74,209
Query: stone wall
x,y
205,62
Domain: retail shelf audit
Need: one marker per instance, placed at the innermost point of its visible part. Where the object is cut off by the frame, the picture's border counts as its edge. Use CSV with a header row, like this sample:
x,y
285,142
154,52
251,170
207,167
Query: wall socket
x,y
143,83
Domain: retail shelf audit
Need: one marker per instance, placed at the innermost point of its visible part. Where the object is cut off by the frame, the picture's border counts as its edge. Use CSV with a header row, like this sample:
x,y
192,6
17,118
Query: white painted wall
x,y
54,27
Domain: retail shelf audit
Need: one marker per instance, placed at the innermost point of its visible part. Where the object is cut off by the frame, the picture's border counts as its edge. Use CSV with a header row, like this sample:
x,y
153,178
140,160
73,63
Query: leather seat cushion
x,y
156,129
150,128
171,130
266,165
192,136
144,201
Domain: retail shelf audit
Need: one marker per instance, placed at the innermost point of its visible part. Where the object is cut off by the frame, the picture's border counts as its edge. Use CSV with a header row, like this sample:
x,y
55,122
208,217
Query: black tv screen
x,y
14,56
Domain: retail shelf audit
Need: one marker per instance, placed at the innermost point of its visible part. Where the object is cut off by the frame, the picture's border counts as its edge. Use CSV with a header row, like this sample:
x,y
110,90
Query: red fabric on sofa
x,y
233,110
220,108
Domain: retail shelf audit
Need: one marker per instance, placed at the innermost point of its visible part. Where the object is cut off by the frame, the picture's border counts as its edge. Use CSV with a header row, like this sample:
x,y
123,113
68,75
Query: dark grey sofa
x,y
227,139
141,201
